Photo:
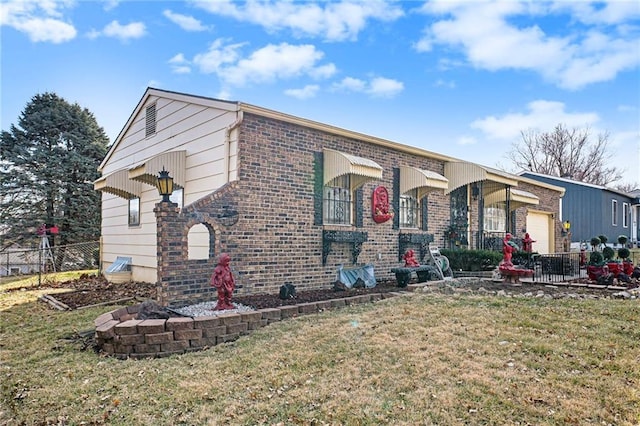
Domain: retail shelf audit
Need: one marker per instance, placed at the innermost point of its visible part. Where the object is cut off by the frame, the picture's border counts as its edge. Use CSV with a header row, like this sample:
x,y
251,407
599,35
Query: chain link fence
x,y
46,259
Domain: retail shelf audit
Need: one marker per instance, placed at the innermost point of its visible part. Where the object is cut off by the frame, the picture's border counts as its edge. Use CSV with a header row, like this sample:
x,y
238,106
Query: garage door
x,y
539,229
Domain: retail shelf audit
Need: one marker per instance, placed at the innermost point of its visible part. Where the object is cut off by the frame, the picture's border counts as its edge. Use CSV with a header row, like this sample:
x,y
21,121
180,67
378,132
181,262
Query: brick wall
x,y
265,220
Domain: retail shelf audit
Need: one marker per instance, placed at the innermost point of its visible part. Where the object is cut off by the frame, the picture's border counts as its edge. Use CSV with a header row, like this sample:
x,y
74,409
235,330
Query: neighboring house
x,y
595,210
291,199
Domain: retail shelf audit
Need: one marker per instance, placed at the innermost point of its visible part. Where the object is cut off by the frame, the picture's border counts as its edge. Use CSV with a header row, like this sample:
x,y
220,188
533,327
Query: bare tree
x,y
569,153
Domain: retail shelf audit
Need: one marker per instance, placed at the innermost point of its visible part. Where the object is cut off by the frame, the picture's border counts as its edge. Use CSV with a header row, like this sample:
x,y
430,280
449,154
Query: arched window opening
x,y
199,242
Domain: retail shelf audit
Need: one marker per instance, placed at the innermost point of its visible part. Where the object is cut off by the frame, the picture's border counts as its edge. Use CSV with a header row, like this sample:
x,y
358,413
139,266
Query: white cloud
x,y
334,21
187,23
351,84
375,87
541,115
385,87
40,21
124,32
267,64
609,12
450,84
308,91
488,36
467,140
179,64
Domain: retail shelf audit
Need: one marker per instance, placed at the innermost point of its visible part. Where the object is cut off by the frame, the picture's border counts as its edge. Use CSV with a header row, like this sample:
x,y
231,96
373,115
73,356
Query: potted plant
x,y
614,265
627,265
596,266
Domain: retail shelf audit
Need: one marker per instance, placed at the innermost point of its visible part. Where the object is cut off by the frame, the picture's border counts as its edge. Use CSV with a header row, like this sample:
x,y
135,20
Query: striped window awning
x,y
362,170
119,184
147,171
517,198
462,173
423,180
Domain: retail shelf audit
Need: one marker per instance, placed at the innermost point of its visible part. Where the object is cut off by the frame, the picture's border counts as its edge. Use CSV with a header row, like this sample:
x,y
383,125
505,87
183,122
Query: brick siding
x,y
265,220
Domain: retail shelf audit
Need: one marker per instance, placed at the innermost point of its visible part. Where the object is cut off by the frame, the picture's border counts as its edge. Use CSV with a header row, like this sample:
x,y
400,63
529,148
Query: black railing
x,y
558,267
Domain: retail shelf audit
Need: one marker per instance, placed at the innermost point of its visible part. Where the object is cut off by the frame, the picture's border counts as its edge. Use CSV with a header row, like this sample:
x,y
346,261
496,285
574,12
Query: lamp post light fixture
x,y
165,185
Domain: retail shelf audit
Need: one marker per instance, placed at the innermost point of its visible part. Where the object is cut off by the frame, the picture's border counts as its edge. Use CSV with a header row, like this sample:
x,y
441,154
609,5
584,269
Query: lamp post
x,y
165,185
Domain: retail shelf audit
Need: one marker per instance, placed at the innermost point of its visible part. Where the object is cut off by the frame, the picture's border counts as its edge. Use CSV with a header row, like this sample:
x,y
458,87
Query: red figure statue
x,y
222,280
508,247
380,205
410,259
527,243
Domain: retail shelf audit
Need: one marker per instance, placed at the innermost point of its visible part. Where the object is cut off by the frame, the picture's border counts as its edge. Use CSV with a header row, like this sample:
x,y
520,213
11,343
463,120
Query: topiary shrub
x,y
603,239
596,258
624,253
595,243
622,240
608,253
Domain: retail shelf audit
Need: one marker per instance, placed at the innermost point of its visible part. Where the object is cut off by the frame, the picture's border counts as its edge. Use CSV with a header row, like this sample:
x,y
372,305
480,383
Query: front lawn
x,y
419,359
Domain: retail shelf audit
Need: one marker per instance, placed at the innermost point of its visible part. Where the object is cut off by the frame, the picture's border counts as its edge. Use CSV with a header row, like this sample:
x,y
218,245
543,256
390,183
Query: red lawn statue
x,y
410,259
222,280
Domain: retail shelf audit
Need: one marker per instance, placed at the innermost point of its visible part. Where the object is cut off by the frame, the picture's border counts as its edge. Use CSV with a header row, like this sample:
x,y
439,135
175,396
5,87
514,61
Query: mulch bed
x,y
91,290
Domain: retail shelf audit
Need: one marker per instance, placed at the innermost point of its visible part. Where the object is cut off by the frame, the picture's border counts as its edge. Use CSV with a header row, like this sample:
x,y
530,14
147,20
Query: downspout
x,y
227,143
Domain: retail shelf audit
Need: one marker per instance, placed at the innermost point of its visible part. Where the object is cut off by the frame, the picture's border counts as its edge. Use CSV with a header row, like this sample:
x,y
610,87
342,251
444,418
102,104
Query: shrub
x,y
608,253
596,258
472,260
603,239
595,242
624,253
622,239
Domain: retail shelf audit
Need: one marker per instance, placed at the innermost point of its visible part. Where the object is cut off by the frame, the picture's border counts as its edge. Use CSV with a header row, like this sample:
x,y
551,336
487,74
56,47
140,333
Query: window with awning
x,y
359,169
147,171
424,181
414,185
119,184
343,174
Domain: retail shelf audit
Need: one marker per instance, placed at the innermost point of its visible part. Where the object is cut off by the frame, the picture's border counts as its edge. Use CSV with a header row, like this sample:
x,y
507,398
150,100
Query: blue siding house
x,y
594,210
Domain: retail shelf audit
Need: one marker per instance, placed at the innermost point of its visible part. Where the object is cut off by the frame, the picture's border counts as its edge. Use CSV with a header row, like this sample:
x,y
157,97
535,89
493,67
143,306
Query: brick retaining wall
x,y
119,333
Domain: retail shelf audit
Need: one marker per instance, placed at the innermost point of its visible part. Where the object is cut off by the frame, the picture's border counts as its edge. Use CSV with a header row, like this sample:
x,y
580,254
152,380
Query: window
x,y
409,209
134,212
177,197
337,201
495,218
150,128
614,212
625,215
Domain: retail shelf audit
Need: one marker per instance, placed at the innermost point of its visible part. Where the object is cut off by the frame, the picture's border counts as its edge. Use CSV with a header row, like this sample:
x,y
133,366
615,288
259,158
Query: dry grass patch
x,y
424,359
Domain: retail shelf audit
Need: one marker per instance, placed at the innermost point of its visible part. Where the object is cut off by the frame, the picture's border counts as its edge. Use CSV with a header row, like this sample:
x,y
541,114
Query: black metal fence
x,y
558,267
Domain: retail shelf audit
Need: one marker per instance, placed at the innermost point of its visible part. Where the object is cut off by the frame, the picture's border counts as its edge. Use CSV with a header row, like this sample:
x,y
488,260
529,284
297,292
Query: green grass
x,y
423,359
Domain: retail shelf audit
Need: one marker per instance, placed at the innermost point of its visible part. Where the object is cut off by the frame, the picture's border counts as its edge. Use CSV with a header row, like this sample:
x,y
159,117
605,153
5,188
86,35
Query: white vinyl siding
x,y
210,163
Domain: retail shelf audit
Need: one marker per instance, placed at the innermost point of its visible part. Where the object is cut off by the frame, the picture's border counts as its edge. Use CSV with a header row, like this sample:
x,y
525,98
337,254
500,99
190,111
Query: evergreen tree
x,y
47,167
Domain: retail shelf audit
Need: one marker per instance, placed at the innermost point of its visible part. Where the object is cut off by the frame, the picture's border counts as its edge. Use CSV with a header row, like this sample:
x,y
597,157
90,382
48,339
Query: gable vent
x,y
150,121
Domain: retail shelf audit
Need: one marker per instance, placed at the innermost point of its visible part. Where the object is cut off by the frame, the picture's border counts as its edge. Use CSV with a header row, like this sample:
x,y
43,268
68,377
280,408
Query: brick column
x,y
169,245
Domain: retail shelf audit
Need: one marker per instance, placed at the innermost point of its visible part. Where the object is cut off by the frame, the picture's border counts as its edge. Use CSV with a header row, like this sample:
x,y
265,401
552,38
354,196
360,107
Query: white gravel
x,y
209,309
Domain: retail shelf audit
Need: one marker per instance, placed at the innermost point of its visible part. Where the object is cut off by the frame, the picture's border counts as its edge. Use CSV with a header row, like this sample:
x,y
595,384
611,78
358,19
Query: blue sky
x,y
458,78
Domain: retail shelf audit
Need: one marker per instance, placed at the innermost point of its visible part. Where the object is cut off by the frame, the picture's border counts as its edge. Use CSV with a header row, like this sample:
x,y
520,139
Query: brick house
x,y
291,199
